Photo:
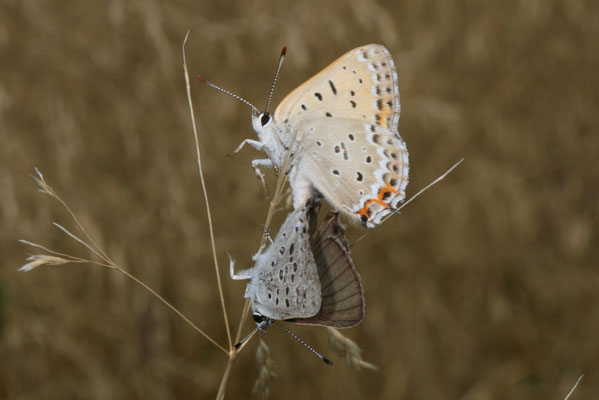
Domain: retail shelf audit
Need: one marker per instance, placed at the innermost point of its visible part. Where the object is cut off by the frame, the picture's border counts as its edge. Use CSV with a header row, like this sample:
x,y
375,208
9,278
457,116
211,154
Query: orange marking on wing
x,y
365,212
386,189
381,117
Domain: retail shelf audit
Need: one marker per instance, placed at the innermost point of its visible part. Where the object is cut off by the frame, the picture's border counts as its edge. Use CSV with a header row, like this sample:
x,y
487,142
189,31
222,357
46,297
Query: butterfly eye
x,y
264,119
259,318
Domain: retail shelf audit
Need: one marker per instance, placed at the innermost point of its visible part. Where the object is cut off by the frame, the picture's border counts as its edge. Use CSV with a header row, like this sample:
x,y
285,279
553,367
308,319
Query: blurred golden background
x,y
486,287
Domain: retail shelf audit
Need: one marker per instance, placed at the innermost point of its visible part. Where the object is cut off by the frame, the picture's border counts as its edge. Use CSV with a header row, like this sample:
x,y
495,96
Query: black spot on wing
x,y
345,152
333,88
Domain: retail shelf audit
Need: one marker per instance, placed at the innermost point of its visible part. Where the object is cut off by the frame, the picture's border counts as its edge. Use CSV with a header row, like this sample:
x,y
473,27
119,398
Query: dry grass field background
x,y
485,287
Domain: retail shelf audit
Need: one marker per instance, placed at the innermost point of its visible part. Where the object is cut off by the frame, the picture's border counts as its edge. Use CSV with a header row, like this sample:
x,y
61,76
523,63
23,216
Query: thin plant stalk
x,y
47,189
440,178
573,388
281,180
212,243
244,314
96,250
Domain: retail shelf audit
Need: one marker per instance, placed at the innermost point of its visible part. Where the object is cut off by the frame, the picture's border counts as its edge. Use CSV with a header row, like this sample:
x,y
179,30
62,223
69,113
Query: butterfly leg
x,y
243,274
265,162
254,143
266,232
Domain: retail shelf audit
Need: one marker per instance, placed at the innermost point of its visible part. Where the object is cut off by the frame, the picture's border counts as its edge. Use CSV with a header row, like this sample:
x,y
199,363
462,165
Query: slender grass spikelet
x,y
349,349
39,260
266,368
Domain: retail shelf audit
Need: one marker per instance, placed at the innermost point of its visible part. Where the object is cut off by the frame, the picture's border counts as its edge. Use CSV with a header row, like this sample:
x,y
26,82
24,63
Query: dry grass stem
x,y
347,348
440,178
55,258
44,187
282,176
279,189
573,388
199,159
244,314
56,253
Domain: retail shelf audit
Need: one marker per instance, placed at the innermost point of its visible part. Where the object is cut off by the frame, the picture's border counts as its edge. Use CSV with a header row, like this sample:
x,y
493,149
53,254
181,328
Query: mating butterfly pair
x,y
341,129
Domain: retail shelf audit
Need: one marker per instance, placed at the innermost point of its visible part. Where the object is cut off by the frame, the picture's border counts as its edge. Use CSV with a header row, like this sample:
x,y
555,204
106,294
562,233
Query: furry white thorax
x,y
277,137
272,136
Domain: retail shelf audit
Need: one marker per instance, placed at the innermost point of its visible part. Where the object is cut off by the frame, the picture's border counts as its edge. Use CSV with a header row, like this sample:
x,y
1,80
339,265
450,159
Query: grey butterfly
x,y
306,275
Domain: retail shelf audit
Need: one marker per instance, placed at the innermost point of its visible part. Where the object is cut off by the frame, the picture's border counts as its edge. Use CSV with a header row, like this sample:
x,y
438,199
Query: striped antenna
x,y
274,81
293,335
212,85
248,337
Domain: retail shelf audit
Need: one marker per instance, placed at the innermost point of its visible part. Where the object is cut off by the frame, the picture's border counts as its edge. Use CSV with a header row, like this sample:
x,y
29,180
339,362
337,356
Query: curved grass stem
x,y
198,156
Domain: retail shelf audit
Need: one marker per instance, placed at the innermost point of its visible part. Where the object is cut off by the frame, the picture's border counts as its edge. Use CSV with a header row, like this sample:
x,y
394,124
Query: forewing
x,y
361,169
361,85
287,284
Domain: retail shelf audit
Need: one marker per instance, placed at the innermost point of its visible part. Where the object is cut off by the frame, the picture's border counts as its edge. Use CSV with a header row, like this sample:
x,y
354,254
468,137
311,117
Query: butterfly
x,y
306,275
341,128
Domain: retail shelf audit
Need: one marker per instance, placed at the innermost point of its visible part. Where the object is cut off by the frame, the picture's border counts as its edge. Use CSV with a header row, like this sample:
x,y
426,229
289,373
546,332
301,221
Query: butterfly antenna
x,y
245,339
410,199
293,335
274,81
212,85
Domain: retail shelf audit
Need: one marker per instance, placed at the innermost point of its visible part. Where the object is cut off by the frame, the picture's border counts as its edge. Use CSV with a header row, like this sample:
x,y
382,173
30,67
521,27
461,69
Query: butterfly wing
x,y
287,283
361,85
341,288
361,169
346,118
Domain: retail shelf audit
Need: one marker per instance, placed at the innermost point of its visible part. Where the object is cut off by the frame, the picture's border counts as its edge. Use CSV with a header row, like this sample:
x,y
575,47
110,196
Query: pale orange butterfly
x,y
346,147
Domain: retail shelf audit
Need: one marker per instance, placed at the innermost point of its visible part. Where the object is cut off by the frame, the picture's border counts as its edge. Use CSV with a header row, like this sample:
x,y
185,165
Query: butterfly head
x,y
266,129
262,322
